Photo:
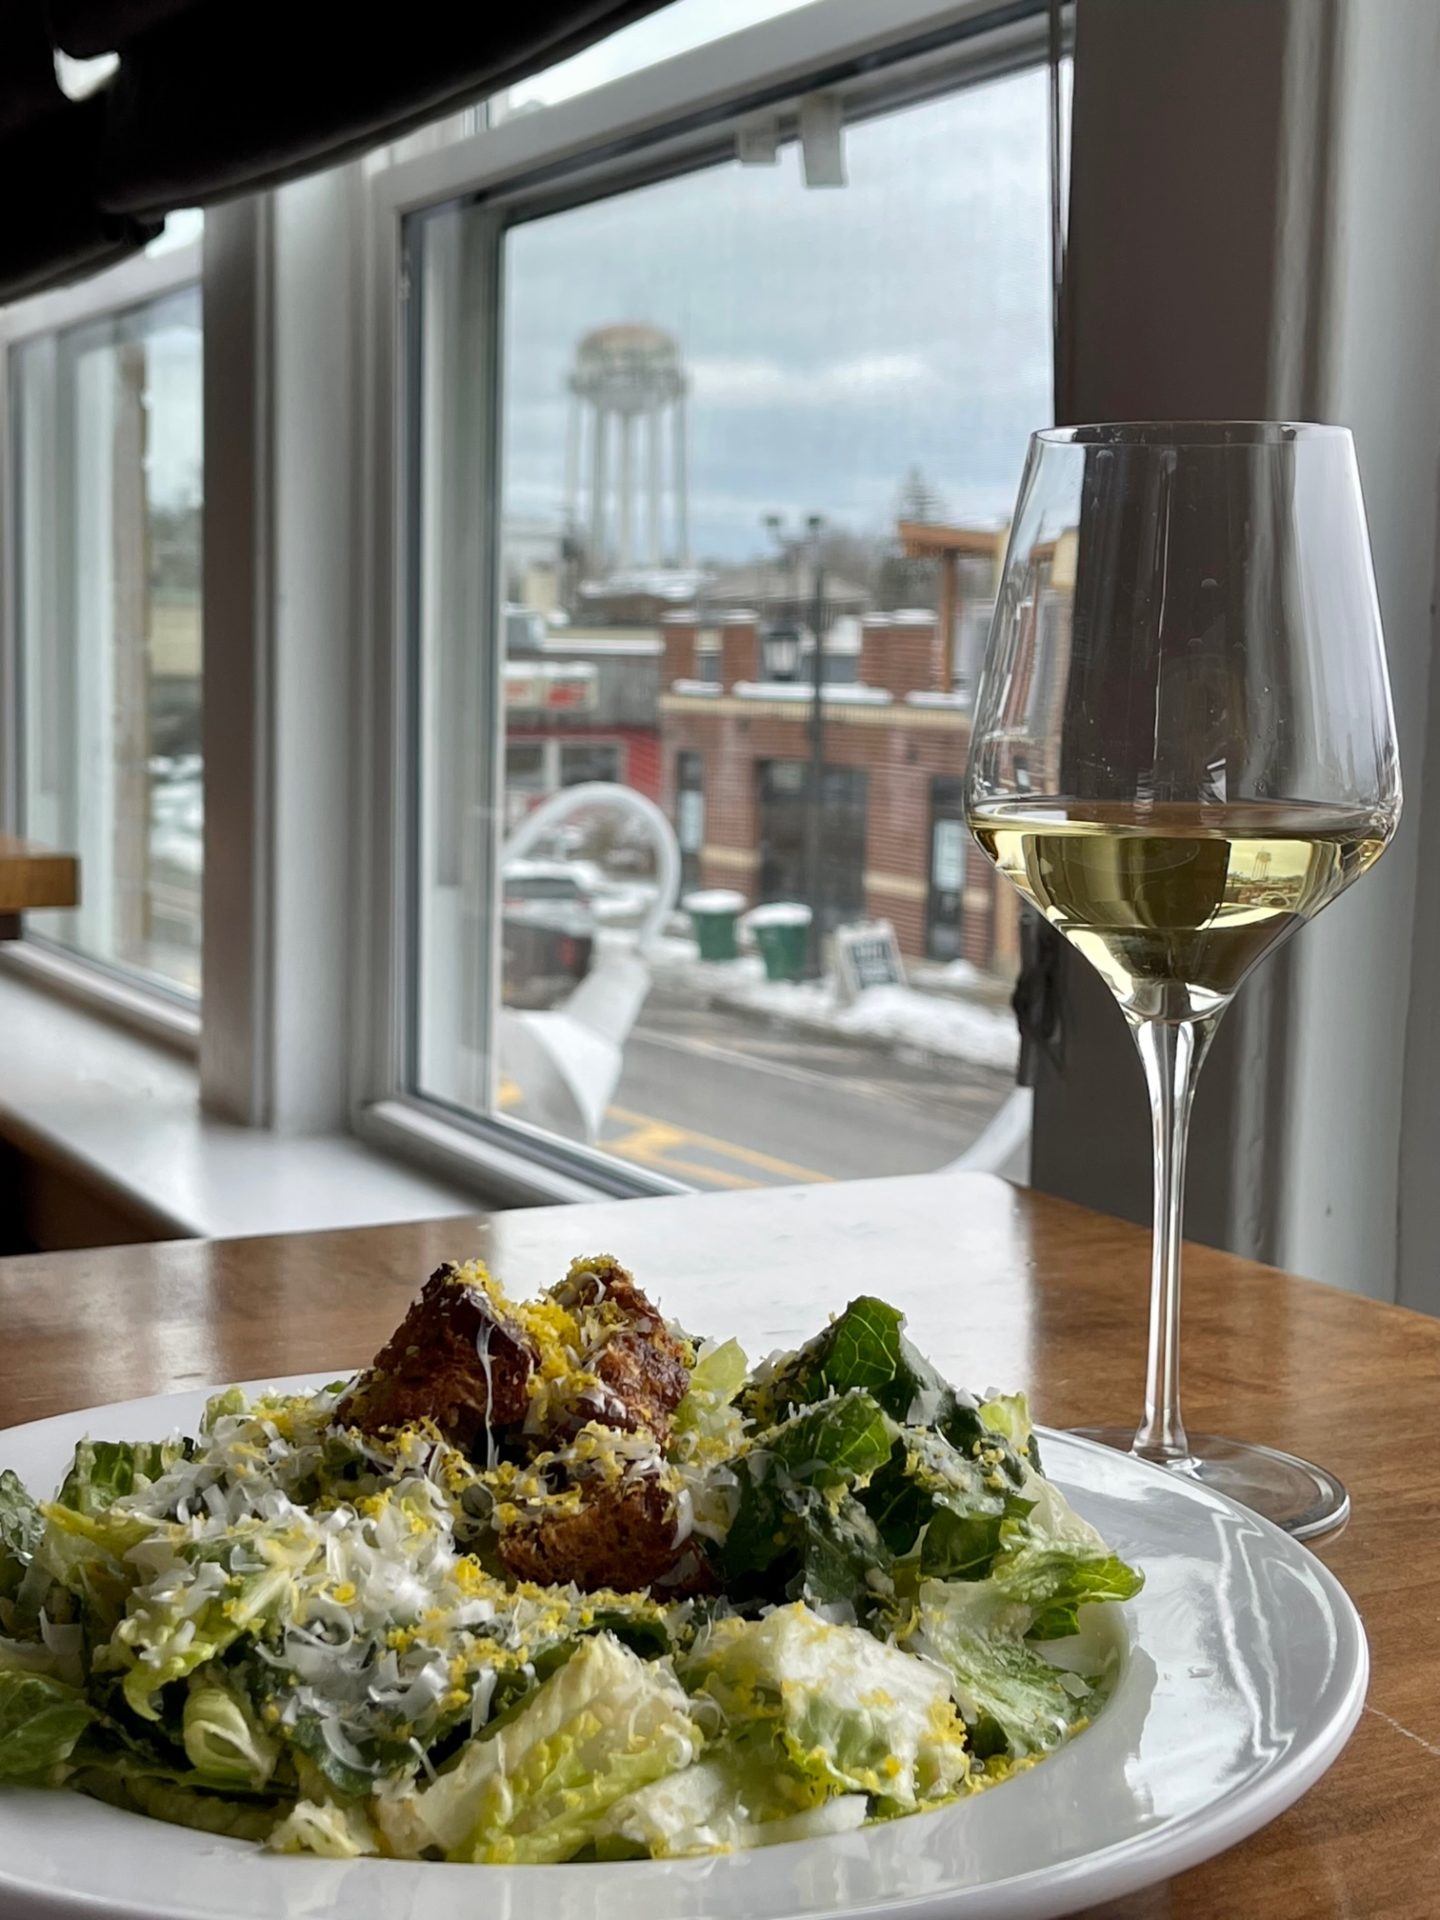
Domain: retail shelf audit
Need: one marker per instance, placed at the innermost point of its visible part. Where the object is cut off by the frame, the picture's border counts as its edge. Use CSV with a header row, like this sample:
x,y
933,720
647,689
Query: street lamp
x,y
774,525
782,645
815,786
782,652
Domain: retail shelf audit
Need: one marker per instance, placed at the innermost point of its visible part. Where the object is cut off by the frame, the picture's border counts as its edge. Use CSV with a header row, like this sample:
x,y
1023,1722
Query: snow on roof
x,y
677,584
799,693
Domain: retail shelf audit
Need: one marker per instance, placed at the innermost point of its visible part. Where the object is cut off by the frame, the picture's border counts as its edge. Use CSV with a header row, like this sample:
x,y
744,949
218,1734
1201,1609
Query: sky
x,y
170,330
833,338
175,449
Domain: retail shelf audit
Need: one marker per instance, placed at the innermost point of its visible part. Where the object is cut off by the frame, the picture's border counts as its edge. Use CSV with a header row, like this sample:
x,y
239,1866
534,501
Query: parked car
x,y
547,930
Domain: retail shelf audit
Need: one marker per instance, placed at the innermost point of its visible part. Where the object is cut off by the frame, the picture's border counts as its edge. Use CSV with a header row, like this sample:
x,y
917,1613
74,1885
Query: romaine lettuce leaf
x,y
798,1531
319,1826
832,1444
141,1789
40,1721
795,1542
72,1574
741,1794
851,1713
103,1471
20,1529
866,1347
224,1741
717,1376
538,1788
860,1348
55,1650
945,1508
163,1637
1054,1562
344,1759
1013,1699
1054,1585
1008,1414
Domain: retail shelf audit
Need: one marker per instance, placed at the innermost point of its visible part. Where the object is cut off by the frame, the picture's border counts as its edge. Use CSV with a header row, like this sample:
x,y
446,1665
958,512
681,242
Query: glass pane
x,y
756,440
107,424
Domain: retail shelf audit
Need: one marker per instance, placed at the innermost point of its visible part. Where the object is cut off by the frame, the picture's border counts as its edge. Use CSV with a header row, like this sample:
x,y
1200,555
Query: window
x,y
673,29
949,850
590,760
689,815
525,780
106,448
837,892
695,416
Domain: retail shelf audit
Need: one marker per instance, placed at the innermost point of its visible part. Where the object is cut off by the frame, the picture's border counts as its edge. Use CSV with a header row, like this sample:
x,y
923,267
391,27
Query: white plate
x,y
1245,1674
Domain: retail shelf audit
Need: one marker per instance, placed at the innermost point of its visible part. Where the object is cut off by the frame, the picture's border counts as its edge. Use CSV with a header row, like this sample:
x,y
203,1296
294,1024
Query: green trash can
x,y
781,931
714,913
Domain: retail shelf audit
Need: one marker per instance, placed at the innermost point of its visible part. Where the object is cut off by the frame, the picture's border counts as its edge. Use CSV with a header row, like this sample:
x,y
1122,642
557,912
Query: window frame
x,y
671,118
166,1013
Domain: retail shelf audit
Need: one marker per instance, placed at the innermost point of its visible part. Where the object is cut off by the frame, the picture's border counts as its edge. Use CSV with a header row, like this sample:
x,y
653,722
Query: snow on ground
x,y
667,953
890,1016
941,1024
623,903
952,974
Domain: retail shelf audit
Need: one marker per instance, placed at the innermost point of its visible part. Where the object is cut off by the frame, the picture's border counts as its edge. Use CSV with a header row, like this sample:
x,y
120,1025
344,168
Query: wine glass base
x,y
1303,1499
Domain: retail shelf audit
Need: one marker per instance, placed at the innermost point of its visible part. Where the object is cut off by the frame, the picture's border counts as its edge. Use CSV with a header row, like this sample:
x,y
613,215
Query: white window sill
x,y
121,1113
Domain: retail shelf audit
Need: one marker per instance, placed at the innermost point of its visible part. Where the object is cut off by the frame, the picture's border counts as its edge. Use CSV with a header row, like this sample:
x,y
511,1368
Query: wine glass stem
x,y
1171,1052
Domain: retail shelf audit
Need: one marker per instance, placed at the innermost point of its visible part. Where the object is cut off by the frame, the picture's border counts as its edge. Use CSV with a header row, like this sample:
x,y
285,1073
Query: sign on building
x,y
550,688
947,857
866,955
690,820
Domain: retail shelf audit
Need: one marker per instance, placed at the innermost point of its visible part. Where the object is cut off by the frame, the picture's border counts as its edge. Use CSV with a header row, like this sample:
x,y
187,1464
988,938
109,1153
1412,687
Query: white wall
x,y
1364,1073
1280,258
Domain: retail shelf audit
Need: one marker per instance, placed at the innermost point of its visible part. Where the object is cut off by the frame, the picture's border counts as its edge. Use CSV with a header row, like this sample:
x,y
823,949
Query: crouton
x,y
454,1359
623,1536
640,1364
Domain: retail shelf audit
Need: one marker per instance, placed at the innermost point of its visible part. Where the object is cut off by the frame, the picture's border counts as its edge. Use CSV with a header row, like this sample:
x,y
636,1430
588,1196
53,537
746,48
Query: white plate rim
x,y
1107,1873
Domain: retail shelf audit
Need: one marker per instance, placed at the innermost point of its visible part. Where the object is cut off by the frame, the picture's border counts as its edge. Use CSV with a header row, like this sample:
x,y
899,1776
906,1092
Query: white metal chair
x,y
567,1060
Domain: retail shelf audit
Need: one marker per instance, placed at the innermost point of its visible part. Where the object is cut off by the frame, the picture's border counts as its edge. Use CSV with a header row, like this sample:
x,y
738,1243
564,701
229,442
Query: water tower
x,y
626,377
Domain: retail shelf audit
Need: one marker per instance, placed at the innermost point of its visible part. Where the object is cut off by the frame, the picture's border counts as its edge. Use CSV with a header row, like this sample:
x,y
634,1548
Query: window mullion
x,y
283,425
454,605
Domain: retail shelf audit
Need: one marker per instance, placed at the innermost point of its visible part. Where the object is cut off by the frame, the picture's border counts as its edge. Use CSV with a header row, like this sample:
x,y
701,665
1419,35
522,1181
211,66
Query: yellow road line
x,y
649,1126
650,1147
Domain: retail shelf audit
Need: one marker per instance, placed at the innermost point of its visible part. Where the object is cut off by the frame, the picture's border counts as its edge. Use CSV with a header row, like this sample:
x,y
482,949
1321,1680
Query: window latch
x,y
822,139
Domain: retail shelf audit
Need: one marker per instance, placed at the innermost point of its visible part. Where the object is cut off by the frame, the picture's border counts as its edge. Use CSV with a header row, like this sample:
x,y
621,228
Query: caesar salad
x,y
552,1580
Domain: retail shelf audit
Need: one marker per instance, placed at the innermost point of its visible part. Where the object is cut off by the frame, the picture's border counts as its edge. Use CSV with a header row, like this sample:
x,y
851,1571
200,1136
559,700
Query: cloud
x,y
832,340
719,383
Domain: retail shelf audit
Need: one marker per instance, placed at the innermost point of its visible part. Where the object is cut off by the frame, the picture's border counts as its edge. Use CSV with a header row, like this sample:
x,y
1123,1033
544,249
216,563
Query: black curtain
x,y
220,97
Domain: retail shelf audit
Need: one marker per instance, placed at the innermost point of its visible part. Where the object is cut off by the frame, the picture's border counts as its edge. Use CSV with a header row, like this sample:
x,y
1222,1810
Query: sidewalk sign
x,y
866,955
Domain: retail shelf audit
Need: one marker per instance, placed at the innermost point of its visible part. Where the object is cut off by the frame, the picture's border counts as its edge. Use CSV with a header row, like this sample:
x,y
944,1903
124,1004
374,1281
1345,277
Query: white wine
x,y
1174,904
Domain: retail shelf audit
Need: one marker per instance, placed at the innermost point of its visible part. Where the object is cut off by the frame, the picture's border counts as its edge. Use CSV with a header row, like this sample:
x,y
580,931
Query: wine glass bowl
x,y
1183,749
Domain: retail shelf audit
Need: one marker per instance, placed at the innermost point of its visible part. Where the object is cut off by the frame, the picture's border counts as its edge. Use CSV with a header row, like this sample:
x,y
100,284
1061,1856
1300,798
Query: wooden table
x,y
1003,1288
32,876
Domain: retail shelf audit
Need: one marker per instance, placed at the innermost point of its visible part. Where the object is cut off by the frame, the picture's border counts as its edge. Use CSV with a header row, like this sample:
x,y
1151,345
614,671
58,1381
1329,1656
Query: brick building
x,y
734,751
579,705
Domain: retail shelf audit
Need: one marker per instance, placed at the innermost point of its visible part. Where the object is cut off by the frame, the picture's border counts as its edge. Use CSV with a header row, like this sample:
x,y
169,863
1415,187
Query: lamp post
x,y
815,785
782,661
782,653
774,525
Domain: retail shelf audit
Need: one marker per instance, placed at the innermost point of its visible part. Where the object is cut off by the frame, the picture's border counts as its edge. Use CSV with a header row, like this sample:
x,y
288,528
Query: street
x,y
719,1099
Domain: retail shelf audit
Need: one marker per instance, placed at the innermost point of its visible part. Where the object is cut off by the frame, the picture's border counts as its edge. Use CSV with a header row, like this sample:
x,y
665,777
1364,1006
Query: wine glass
x,y
1183,748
